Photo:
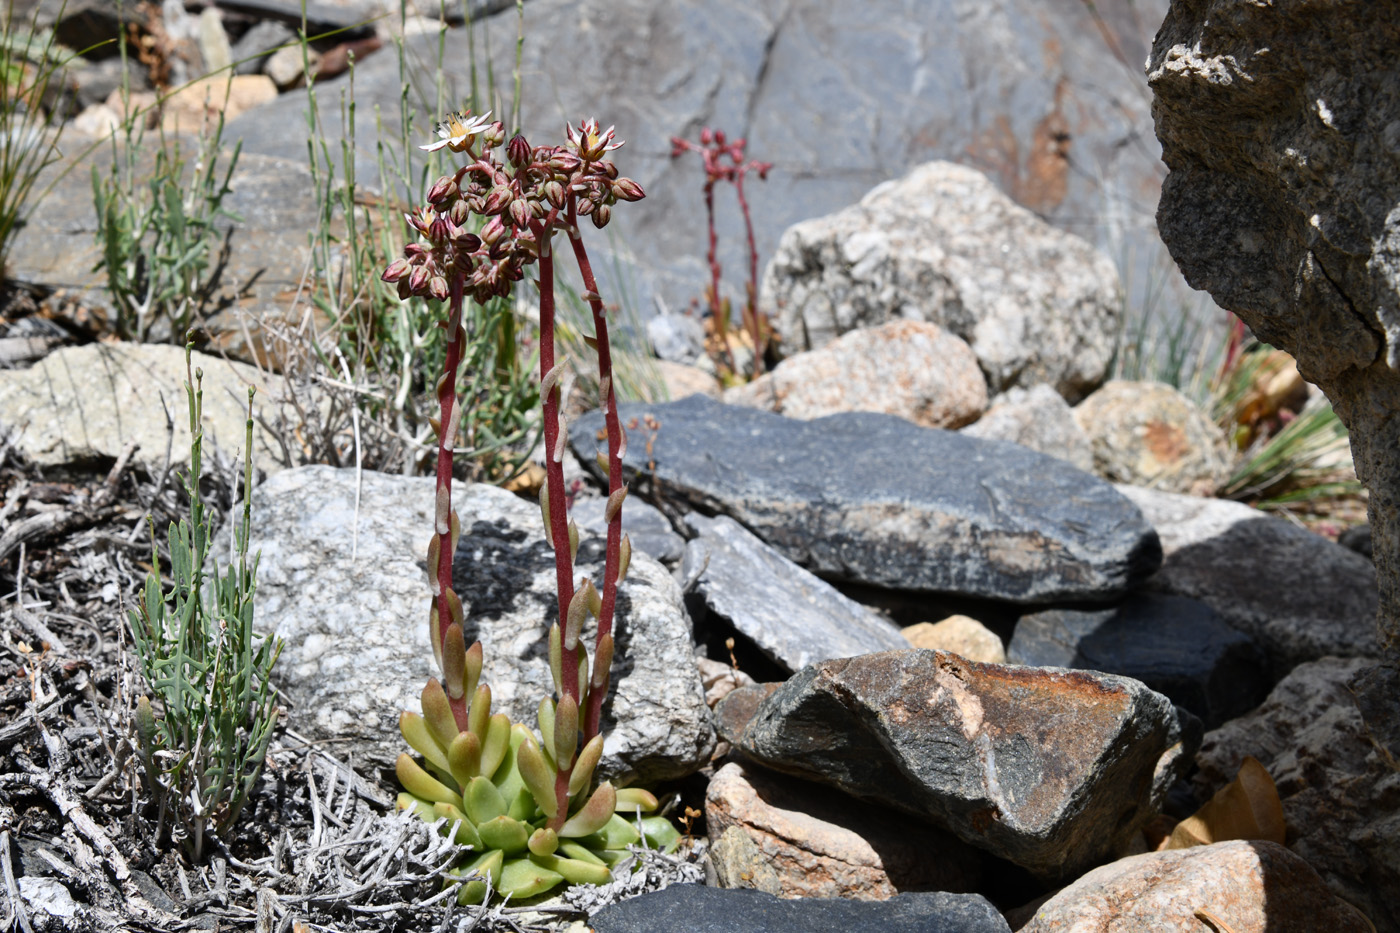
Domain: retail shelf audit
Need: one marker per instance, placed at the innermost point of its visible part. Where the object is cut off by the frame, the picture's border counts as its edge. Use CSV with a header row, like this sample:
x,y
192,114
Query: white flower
x,y
458,131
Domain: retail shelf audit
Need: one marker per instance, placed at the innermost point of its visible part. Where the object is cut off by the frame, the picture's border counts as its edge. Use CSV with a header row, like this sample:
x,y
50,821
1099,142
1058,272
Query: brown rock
x,y
1054,770
818,843
961,635
1247,887
912,369
1149,434
1341,800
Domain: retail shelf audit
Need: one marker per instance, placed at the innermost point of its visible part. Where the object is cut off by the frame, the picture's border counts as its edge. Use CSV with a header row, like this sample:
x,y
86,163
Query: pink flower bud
x,y
466,242
520,212
498,200
493,231
601,216
719,137
564,161
518,151
625,189
440,231
404,291
437,287
415,252
705,136
417,279
442,189
397,270
585,206
554,191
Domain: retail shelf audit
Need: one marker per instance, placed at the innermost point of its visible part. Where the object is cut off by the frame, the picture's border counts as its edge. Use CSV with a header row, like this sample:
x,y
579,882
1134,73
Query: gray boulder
x,y
912,369
943,245
342,580
1177,646
875,499
1298,595
1054,770
80,406
793,617
1279,126
1038,418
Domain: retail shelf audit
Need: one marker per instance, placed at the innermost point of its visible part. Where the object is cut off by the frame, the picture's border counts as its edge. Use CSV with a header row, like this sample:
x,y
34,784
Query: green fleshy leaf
x,y
483,801
420,739
465,833
660,833
420,783
508,835
576,871
593,815
581,853
521,878
617,833
490,865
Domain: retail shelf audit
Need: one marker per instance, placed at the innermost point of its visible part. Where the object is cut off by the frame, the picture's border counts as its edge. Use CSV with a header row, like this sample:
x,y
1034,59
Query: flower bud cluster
x,y
521,192
714,145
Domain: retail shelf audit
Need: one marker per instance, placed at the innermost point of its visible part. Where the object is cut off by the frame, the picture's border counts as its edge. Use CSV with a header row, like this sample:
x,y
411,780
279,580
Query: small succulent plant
x,y
525,805
494,783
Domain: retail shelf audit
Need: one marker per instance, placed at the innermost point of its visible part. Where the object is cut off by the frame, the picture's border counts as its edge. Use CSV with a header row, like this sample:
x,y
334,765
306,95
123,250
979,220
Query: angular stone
x,y
1340,794
1298,595
698,909
794,618
816,842
911,369
1248,885
268,251
649,530
1149,434
1279,125
80,406
943,245
1038,418
349,594
1177,646
1054,770
875,499
961,635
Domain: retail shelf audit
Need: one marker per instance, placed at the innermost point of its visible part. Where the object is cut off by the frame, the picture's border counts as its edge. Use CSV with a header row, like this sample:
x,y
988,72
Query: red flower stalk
x,y
713,148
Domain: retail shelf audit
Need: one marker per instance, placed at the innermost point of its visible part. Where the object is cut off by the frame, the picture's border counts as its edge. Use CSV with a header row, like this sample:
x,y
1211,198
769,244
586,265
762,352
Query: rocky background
x,y
936,621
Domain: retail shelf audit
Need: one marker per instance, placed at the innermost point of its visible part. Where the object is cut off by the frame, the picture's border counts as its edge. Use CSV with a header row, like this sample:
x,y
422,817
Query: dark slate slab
x,y
793,617
694,908
874,499
1178,646
1051,769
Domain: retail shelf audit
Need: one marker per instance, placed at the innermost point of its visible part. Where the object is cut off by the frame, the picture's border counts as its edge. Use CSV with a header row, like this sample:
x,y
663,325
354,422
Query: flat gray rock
x,y
793,617
1298,595
1177,646
875,499
81,405
1054,770
344,583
